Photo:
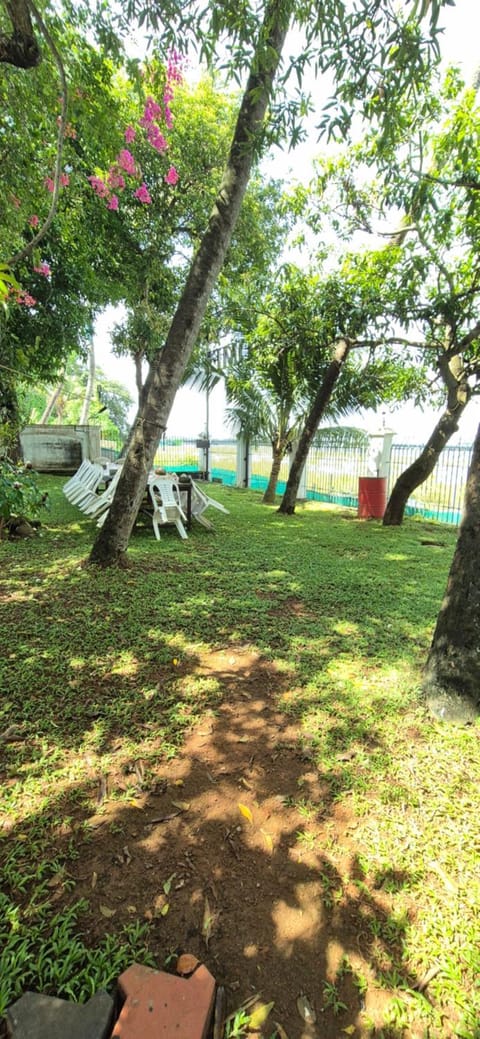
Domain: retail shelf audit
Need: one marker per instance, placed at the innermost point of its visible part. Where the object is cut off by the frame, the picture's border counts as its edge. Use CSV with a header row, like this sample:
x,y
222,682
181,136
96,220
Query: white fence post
x,y
203,445
243,470
379,453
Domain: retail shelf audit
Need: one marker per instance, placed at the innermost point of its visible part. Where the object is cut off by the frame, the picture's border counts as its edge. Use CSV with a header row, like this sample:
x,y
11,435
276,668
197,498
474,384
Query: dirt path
x,y
224,853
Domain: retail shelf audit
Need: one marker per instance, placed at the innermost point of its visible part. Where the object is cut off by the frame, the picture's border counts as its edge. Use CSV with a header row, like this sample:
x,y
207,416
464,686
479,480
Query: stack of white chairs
x,y
84,482
167,506
81,491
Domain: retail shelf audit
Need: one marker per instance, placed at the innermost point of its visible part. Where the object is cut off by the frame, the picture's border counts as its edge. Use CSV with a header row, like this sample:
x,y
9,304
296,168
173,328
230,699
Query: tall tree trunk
x,y
51,402
138,358
451,683
166,370
87,400
458,396
342,349
278,451
9,419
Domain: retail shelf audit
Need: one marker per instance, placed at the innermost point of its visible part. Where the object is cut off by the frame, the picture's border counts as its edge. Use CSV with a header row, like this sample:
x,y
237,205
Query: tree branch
x,y
28,249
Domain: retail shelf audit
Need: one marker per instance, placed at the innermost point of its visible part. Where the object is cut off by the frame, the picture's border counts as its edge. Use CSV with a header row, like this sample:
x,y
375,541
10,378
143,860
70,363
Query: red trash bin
x,y
372,497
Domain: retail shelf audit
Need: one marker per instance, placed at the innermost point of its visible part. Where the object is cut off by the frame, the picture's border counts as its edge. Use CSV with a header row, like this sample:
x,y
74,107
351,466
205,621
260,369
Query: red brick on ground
x,y
163,1006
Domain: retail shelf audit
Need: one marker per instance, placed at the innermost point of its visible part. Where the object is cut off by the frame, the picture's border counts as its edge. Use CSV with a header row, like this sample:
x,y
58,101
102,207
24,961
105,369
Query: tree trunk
x,y
458,397
87,400
9,419
166,370
342,349
277,454
451,683
52,400
20,48
138,358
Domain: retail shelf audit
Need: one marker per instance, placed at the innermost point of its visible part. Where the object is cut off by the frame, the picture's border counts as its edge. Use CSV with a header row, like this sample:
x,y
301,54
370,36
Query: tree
x,y
447,228
350,366
263,399
166,370
285,358
428,172
455,377
63,277
108,408
451,684
340,42
163,245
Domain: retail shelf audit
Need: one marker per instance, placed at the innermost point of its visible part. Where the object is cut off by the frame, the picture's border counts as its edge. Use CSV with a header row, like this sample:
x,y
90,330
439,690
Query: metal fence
x,y
440,497
332,471
172,453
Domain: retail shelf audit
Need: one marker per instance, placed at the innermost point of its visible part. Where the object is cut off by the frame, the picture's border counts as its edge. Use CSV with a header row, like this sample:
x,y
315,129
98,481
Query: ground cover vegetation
x,y
221,750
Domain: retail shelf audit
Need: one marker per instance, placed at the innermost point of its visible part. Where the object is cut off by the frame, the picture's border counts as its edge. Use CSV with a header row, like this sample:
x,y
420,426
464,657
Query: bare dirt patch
x,y
236,852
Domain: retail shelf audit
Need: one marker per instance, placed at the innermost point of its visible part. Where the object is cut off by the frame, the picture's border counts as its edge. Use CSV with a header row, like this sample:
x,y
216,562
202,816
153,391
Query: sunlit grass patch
x,y
104,669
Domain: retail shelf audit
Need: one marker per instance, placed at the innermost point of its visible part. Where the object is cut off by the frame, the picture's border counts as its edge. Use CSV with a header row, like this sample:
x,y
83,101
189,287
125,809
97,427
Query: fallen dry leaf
x,y
208,922
281,1031
306,1011
107,912
268,840
245,811
259,1016
186,964
182,806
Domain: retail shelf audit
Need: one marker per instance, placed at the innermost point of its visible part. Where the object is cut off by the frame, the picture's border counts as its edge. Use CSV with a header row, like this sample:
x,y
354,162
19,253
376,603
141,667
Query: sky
x,y
188,415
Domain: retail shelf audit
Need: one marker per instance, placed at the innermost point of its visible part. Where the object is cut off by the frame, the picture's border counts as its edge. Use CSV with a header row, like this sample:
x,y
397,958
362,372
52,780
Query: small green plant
x,y
306,839
48,955
237,1026
331,998
20,495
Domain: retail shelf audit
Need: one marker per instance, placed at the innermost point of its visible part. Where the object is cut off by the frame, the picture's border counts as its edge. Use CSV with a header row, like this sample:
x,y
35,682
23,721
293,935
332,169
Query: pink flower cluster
x,y
22,297
64,181
126,162
25,298
171,177
143,194
43,268
153,112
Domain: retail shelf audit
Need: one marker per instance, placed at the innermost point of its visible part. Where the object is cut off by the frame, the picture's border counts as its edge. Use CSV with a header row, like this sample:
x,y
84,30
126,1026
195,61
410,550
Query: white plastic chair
x,y
201,502
87,485
94,504
167,507
78,477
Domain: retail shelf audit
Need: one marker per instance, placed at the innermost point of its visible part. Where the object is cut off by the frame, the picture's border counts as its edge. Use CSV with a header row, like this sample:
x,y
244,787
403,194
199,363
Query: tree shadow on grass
x,y
112,678
239,851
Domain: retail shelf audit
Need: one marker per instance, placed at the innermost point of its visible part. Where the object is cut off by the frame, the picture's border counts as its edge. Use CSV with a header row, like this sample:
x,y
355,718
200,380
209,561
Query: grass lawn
x,y
221,750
